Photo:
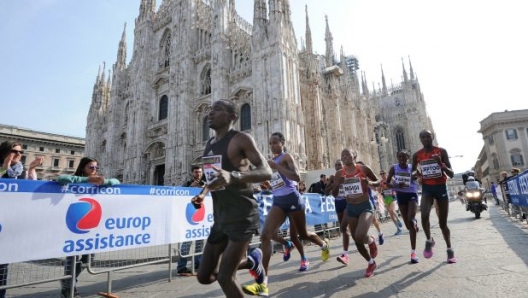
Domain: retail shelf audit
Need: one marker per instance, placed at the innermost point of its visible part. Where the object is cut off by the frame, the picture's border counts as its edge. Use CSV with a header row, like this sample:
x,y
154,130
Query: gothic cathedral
x,y
147,120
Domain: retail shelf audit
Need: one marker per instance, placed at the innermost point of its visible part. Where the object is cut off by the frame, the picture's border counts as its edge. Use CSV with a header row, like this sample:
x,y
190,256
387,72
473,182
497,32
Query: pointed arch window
x,y
245,117
127,108
400,139
205,130
205,80
163,108
167,50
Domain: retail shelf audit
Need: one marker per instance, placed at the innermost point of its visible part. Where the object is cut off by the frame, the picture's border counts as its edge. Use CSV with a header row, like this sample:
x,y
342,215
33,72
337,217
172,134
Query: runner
x,y
235,210
356,180
389,201
340,205
286,202
375,221
405,186
435,167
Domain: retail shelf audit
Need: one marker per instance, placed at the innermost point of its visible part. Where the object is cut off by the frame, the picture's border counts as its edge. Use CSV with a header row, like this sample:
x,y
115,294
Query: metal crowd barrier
x,y
52,270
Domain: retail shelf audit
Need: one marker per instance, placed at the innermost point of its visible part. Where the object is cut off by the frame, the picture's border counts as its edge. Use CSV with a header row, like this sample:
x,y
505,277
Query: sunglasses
x,y
93,167
383,173
17,151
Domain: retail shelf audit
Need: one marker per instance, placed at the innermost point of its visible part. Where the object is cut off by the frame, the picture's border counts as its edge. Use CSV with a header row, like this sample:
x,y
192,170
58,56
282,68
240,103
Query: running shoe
x,y
256,289
414,259
257,271
381,239
428,251
400,225
305,264
416,225
370,269
398,232
373,249
451,259
325,252
343,259
287,251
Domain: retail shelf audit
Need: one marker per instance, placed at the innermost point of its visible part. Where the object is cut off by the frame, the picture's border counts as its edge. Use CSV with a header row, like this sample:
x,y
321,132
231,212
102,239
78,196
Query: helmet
x,y
471,178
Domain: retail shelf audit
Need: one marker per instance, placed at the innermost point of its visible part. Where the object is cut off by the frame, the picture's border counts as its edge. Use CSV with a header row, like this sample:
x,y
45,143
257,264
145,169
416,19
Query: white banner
x,y
40,220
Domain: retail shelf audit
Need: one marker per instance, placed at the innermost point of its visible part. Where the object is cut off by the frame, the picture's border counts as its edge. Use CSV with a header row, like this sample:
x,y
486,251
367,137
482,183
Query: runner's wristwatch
x,y
236,175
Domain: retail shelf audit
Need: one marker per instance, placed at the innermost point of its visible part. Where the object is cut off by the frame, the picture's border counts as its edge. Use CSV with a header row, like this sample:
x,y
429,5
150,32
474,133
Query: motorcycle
x,y
474,198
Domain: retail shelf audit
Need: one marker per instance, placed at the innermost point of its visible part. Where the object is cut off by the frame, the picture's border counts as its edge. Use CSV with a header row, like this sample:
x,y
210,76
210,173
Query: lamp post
x,y
380,140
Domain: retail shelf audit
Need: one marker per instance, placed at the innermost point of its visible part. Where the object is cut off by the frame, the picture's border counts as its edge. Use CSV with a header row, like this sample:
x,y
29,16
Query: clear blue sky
x,y
471,56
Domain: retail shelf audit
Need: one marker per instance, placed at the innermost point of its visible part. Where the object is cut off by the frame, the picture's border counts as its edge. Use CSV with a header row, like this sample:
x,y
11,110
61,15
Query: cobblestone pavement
x,y
492,252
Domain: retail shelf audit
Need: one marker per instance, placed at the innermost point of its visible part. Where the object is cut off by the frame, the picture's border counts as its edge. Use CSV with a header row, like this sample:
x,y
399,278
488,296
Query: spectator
x,y
302,187
11,167
86,172
494,192
319,186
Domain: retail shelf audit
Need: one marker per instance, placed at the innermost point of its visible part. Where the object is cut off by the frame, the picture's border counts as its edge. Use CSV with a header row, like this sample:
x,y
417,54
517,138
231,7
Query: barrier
x,y
128,226
517,205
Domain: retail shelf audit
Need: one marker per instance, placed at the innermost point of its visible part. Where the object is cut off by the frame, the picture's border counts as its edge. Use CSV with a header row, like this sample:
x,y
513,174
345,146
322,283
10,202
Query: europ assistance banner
x,y
41,220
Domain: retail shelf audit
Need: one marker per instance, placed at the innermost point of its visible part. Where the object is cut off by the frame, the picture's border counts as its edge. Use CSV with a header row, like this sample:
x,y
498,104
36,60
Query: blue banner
x,y
318,209
518,188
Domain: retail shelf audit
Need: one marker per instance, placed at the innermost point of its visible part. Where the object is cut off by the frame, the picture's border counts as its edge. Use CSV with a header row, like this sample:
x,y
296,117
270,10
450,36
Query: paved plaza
x,y
492,252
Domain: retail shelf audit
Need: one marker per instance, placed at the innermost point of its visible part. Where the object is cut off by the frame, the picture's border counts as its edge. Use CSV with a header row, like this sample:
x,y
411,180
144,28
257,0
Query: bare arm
x,y
289,170
447,169
338,180
373,179
262,171
329,188
243,147
389,176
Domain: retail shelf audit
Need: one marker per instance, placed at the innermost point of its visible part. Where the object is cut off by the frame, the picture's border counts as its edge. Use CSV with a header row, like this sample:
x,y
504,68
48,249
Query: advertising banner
x,y
40,220
518,188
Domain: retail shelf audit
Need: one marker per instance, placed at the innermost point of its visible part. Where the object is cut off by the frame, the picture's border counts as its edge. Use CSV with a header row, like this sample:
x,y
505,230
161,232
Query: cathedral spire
x,y
260,14
121,51
308,34
329,45
411,70
146,8
364,84
103,77
404,72
384,90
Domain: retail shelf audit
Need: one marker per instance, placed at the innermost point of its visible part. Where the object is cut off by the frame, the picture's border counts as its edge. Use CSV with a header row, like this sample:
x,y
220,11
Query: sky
x,y
471,57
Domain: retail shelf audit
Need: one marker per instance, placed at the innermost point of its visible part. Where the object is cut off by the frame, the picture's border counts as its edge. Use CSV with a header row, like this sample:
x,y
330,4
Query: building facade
x,y
147,120
61,153
505,136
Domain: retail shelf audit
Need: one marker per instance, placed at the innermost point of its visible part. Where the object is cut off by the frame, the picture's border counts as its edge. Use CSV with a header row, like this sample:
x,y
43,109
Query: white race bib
x,y
276,180
430,169
403,177
352,187
341,192
207,164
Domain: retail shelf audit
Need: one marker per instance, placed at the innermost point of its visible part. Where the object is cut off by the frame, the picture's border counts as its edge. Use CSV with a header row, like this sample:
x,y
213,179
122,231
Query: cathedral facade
x,y
147,120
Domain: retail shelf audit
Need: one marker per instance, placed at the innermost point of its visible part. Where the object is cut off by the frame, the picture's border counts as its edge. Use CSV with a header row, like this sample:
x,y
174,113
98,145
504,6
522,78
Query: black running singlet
x,y
234,208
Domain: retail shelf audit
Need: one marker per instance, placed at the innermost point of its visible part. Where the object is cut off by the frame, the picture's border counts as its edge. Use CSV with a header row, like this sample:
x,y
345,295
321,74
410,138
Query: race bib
x,y
430,169
341,192
352,187
387,192
207,164
403,177
276,180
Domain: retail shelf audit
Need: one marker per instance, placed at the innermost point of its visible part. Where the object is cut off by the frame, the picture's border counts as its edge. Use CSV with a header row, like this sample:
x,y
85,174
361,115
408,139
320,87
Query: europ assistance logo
x,y
194,216
83,216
